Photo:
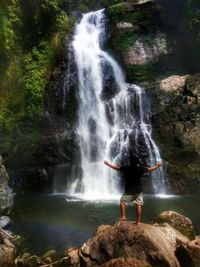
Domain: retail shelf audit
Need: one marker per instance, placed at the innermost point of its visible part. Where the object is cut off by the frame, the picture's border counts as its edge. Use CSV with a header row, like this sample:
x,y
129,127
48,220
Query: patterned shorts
x,y
132,199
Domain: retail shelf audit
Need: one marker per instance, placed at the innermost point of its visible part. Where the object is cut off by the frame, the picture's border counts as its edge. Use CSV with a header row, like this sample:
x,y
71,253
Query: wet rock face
x,y
176,123
60,98
6,196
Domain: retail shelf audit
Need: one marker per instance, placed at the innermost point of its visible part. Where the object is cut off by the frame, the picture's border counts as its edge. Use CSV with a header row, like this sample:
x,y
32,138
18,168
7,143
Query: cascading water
x,y
100,137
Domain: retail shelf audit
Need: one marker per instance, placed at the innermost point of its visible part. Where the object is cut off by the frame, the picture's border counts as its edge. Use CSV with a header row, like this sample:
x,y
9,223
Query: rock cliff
x,y
6,196
176,126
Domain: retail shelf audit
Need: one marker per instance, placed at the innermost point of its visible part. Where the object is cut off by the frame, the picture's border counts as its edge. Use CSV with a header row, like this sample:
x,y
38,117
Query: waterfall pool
x,y
58,222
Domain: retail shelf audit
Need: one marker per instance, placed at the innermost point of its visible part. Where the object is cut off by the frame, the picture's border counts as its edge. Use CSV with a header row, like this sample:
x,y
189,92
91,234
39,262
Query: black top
x,y
132,178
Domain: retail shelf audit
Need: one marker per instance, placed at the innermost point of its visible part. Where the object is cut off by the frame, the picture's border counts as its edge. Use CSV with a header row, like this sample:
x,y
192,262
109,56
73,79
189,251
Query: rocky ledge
x,y
124,244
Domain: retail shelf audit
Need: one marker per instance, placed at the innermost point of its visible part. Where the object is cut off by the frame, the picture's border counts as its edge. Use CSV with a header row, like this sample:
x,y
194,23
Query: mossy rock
x,y
179,222
116,12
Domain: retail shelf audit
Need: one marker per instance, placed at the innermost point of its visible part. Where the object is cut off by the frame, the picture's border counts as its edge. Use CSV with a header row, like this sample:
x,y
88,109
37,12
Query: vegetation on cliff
x,y
31,40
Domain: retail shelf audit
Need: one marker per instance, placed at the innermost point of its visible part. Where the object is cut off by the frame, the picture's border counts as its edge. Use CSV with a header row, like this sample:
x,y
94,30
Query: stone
x,y
149,244
6,195
125,262
32,261
27,260
179,222
7,255
189,254
73,254
49,256
4,221
173,83
146,50
124,25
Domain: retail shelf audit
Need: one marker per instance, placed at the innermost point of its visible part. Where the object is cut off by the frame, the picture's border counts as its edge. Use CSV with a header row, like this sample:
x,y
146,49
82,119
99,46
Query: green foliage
x,y
63,22
116,12
193,17
28,48
83,8
37,66
124,39
143,20
31,42
10,23
143,72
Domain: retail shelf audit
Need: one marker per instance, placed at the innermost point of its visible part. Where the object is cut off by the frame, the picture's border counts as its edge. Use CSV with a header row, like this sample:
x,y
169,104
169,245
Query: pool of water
x,y
57,221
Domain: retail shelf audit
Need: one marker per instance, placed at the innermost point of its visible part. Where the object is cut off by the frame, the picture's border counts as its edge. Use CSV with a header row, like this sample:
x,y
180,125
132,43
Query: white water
x,y
98,139
158,180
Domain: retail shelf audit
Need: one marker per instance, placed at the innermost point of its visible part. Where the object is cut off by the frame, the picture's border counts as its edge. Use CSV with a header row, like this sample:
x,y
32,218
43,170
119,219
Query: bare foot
x,y
121,219
138,222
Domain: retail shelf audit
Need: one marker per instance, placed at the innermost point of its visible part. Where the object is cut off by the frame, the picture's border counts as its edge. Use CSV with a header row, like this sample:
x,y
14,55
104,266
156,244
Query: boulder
x,y
124,25
128,244
73,255
126,262
7,249
179,222
6,196
4,221
173,83
28,260
146,50
189,254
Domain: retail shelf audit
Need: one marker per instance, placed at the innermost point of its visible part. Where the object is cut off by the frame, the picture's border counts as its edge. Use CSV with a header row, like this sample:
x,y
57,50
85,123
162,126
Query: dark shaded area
x,y
177,17
183,257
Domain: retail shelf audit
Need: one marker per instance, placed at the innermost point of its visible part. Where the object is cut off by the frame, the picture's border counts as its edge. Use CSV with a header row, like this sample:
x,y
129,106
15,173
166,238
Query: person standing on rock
x,y
133,192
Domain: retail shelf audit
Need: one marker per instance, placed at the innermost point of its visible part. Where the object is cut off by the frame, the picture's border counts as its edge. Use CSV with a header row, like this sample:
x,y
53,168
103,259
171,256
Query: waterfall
x,y
105,127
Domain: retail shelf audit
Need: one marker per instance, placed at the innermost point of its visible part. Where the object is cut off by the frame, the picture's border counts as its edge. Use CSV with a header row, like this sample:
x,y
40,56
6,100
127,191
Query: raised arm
x,y
153,168
112,165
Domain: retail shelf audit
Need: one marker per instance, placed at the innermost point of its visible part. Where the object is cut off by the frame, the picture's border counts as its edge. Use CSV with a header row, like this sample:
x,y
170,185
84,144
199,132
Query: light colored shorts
x,y
132,199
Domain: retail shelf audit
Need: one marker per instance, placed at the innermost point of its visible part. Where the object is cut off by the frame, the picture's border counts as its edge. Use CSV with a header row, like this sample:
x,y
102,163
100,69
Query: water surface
x,y
57,221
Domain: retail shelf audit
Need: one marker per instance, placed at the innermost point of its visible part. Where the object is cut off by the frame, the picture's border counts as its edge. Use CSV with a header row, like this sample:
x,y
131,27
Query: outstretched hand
x,y
159,164
105,162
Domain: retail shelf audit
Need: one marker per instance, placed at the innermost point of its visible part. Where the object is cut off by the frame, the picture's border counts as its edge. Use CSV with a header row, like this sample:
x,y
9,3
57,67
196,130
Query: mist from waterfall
x,y
99,137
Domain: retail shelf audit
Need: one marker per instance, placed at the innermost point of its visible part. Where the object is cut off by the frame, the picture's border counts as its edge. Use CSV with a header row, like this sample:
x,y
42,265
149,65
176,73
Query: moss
x,y
30,50
36,67
83,8
143,72
116,12
122,41
145,21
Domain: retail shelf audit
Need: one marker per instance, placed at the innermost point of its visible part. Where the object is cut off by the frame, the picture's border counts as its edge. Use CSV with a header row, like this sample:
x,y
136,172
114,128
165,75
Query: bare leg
x,y
123,211
138,213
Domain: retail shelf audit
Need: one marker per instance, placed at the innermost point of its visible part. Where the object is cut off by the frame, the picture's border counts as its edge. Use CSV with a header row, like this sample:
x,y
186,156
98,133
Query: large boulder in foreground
x,y
179,222
128,244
